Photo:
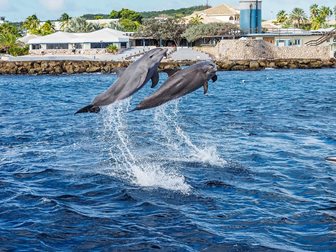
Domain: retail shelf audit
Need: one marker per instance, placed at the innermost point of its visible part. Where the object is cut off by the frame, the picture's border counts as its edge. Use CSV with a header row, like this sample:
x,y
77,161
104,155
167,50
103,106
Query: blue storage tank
x,y
250,16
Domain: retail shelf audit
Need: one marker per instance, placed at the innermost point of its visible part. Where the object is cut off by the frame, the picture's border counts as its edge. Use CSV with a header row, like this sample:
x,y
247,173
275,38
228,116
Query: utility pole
x,y
207,4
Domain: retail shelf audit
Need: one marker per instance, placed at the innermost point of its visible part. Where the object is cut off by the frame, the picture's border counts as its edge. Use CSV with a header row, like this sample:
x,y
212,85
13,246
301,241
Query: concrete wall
x,y
259,49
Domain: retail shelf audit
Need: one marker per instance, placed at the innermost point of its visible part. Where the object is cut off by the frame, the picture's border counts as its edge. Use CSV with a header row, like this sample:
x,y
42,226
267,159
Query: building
x,y
221,13
250,16
69,43
297,37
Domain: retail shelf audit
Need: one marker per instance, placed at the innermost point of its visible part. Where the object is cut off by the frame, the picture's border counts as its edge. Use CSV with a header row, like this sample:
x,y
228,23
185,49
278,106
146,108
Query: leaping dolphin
x,y
133,78
181,83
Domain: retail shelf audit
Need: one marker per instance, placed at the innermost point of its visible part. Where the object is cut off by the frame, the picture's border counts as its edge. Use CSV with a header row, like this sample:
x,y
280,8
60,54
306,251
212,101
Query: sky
x,y
18,10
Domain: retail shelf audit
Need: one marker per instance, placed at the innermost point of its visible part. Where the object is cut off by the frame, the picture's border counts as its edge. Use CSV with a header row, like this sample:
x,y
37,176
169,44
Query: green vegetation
x,y
129,20
168,29
8,40
79,24
112,49
298,18
32,25
94,16
173,12
196,32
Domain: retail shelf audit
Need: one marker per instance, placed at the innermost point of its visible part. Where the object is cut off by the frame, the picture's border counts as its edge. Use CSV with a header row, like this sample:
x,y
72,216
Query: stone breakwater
x,y
75,67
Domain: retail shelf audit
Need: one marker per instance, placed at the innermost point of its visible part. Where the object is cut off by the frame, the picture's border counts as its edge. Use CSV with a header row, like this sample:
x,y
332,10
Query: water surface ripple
x,y
241,169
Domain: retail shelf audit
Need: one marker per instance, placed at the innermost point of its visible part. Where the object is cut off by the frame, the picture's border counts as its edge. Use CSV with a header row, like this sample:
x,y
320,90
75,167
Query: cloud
x,y
53,5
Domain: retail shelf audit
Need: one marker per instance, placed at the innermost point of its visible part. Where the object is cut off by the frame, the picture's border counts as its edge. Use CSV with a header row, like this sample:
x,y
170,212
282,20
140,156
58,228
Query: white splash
x,y
128,165
165,120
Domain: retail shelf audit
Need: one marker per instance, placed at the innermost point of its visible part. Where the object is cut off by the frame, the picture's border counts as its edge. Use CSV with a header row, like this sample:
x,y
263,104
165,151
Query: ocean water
x,y
240,169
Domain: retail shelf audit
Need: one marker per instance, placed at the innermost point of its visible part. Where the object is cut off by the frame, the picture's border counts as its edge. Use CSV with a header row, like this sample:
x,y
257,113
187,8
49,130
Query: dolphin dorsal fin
x,y
205,86
119,71
172,71
155,79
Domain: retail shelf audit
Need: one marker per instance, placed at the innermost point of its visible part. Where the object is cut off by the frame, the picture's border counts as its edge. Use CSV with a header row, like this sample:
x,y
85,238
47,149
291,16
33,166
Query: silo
x,y
250,16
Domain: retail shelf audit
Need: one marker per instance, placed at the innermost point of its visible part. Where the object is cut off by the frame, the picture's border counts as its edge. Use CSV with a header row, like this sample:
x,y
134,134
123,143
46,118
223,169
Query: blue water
x,y
239,169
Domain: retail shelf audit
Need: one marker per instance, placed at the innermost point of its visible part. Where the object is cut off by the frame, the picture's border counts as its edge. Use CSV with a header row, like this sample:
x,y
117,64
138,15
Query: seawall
x,y
75,67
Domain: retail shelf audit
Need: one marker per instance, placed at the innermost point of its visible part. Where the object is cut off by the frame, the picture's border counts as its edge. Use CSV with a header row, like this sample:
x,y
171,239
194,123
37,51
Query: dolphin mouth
x,y
165,53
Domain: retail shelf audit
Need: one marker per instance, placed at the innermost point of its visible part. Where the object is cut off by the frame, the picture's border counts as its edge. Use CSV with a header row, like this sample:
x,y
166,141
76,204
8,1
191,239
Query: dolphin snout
x,y
165,52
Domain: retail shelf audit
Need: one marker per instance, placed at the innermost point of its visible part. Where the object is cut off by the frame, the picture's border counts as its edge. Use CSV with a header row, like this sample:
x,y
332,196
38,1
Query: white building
x,y
84,43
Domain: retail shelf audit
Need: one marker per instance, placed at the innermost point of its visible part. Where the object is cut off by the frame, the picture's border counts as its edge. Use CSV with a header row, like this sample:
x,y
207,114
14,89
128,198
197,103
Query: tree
x,y
65,17
151,28
115,26
130,14
297,16
129,25
196,32
173,28
195,20
9,44
281,17
335,11
79,25
325,12
31,24
168,29
9,28
46,29
319,16
114,14
314,11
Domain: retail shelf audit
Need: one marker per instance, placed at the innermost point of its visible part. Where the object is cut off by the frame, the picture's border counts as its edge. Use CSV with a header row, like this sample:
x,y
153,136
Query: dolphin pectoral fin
x,y
155,79
214,78
119,71
89,109
172,71
205,86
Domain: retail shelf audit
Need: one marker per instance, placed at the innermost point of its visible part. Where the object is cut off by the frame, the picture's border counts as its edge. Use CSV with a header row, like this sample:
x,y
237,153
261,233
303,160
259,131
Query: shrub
x,y
112,49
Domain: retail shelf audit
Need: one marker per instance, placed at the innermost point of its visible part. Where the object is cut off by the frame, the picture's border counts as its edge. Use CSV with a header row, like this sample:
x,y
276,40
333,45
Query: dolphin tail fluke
x,y
89,109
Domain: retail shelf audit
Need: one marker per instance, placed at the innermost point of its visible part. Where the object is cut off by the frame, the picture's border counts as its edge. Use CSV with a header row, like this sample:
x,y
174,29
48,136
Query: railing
x,y
321,39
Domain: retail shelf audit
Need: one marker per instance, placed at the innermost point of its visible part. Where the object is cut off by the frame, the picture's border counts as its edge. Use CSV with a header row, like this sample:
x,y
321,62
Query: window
x,y
100,45
57,46
231,18
123,44
297,42
78,46
36,46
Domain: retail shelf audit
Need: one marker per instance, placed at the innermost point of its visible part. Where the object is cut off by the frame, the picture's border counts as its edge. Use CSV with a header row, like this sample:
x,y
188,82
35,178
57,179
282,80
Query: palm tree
x,y
47,28
31,24
65,18
325,12
195,20
314,11
79,24
298,16
281,17
7,40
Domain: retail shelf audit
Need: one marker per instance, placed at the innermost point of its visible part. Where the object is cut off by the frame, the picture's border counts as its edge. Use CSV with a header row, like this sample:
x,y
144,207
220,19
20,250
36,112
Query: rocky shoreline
x,y
75,67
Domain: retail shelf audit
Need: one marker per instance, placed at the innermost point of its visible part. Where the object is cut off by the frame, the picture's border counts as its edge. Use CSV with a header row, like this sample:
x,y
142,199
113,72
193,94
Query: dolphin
x,y
181,83
331,159
133,78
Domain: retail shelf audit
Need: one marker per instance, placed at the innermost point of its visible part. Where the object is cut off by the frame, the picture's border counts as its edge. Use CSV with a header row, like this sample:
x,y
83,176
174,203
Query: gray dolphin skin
x,y
331,159
181,83
135,76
